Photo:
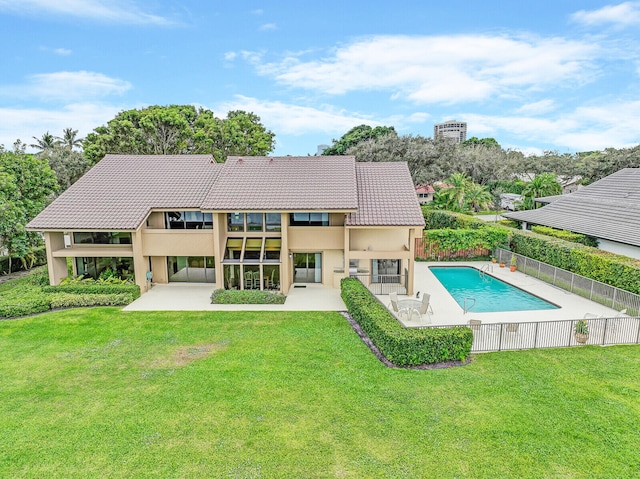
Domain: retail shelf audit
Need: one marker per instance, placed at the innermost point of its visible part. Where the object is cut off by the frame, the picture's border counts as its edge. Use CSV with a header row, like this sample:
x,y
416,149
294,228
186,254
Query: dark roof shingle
x,y
607,209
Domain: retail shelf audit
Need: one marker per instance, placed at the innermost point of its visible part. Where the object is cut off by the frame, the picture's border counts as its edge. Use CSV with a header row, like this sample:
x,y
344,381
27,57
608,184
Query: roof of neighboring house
x,y
120,190
386,196
607,209
549,199
285,183
425,189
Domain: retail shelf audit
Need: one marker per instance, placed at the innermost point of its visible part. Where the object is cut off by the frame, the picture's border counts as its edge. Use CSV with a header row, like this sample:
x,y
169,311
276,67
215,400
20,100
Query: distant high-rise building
x,y
456,130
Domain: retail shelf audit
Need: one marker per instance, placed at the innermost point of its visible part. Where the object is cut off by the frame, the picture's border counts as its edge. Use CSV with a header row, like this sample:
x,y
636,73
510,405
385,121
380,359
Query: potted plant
x,y
501,263
581,331
493,259
514,263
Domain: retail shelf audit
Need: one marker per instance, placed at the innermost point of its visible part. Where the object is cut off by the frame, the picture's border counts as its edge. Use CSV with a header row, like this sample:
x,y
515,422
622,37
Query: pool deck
x,y
447,312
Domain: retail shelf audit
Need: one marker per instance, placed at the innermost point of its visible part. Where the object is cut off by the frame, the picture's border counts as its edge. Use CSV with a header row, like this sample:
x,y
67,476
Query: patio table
x,y
410,304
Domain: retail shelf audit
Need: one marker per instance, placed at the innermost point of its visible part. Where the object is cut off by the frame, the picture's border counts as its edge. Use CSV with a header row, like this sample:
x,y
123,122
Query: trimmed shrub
x,y
247,296
26,301
566,235
74,300
133,290
439,219
615,270
403,346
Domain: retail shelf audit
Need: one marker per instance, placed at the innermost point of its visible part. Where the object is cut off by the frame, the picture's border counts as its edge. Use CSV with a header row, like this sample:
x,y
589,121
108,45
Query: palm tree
x,y
479,197
47,142
453,197
545,184
69,139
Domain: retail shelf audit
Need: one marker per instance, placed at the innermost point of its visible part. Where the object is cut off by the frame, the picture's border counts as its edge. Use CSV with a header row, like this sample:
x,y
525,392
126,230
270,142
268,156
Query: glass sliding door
x,y
386,270
307,267
191,269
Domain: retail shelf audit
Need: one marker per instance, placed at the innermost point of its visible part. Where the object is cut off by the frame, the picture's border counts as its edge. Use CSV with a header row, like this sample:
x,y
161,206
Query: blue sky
x,y
537,75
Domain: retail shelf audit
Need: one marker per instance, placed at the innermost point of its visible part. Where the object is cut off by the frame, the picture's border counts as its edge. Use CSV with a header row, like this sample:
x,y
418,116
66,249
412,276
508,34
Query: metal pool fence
x,y
610,296
552,334
384,283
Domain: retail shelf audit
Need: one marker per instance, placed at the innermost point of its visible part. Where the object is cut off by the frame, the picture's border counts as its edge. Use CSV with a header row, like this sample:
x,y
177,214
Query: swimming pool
x,y
491,294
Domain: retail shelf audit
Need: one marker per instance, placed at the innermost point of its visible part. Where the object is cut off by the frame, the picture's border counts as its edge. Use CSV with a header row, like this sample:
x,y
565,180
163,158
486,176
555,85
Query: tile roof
x,y
285,183
386,196
119,191
607,209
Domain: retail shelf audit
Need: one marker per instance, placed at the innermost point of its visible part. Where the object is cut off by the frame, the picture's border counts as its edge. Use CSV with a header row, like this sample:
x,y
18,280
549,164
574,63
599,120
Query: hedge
x,y
403,346
27,301
616,270
16,264
609,268
566,235
73,300
132,290
247,296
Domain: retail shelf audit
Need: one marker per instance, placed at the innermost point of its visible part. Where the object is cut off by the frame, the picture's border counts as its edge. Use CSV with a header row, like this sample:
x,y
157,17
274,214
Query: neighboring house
x,y
608,210
250,223
509,201
425,193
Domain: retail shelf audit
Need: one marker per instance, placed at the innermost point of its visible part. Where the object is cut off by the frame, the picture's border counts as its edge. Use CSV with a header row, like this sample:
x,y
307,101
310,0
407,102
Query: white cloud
x,y
442,69
290,119
586,128
257,11
66,86
230,56
538,107
113,11
268,27
62,51
623,14
24,123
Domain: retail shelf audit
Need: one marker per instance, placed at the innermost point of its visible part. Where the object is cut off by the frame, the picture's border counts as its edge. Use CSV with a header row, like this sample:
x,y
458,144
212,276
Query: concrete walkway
x,y
197,297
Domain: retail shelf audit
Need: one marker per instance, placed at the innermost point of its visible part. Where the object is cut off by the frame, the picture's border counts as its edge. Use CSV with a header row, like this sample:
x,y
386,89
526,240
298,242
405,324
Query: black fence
x,y
384,283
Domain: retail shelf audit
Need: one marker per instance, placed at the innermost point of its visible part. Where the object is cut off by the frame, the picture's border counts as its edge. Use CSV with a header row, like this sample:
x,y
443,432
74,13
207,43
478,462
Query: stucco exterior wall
x,y
619,248
379,239
157,242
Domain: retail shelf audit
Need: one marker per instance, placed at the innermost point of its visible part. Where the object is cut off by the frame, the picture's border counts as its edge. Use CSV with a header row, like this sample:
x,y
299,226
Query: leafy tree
x,y
488,142
421,154
26,185
46,142
357,135
545,184
597,165
179,129
69,165
453,197
69,139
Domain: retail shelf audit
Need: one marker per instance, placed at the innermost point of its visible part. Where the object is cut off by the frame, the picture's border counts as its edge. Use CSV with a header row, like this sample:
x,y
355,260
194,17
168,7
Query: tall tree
x,y
488,142
26,185
46,142
69,165
356,135
179,129
69,139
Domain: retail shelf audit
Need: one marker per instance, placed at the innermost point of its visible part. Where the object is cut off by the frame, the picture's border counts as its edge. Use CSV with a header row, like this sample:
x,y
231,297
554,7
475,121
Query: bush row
x,y
16,264
130,289
439,219
72,300
403,346
235,296
615,270
566,235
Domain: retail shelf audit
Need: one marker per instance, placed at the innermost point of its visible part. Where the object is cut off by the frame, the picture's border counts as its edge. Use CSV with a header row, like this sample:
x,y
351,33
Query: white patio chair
x,y
393,305
475,324
425,307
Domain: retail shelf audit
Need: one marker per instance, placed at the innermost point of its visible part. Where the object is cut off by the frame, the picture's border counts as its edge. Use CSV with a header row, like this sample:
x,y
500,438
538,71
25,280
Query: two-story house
x,y
249,223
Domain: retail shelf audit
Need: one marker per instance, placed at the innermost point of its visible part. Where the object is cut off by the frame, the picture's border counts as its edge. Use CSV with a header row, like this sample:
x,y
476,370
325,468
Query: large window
x,y
188,220
309,219
254,221
235,221
233,250
96,267
270,222
191,269
273,221
102,237
272,249
253,249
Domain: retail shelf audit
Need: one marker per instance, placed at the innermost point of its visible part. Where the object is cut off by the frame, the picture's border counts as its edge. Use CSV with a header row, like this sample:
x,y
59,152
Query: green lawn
x,y
105,393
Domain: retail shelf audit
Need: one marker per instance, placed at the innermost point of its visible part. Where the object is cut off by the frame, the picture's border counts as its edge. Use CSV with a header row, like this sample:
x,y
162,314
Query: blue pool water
x,y
491,294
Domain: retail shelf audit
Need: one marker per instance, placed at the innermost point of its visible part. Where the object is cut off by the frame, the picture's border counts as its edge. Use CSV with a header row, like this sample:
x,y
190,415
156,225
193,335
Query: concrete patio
x,y
196,297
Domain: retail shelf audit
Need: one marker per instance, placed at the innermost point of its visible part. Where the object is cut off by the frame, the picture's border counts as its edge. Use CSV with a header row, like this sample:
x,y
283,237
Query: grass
x,y
105,393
